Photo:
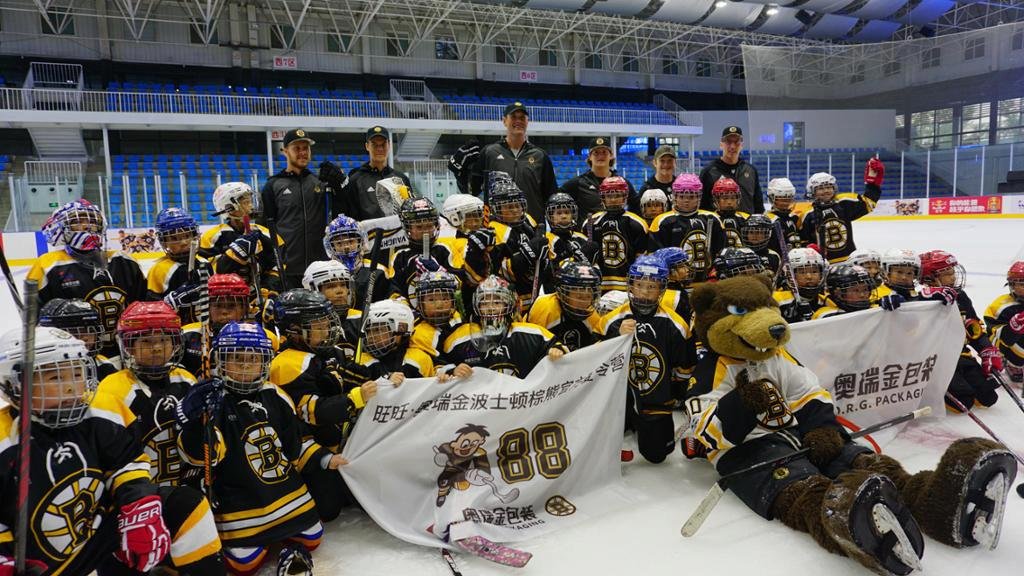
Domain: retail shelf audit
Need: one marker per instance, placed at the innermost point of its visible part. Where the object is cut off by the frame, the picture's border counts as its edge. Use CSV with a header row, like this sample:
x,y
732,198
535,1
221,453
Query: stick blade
x,y
703,510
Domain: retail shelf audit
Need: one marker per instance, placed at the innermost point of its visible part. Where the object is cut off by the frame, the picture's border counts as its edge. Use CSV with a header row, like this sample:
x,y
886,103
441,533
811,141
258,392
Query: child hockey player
x,y
173,279
971,381
653,203
699,232
564,242
464,212
78,318
569,313
663,357
680,274
619,234
332,279
1005,320
238,247
92,505
756,234
419,219
781,194
850,289
493,340
871,261
343,242
436,311
256,456
808,271
829,225
732,262
725,195
81,268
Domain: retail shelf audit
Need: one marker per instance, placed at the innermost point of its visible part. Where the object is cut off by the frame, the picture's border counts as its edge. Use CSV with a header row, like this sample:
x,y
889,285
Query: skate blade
x,y
885,522
987,527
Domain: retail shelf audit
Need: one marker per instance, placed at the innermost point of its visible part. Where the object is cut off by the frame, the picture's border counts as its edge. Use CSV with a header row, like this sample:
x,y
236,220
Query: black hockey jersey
x,y
318,392
214,245
167,275
788,221
197,342
621,238
523,346
700,233
405,267
831,228
574,334
732,222
997,318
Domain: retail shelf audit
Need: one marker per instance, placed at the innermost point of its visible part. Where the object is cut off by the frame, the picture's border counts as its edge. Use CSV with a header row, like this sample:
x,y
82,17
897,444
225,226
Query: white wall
x,y
762,129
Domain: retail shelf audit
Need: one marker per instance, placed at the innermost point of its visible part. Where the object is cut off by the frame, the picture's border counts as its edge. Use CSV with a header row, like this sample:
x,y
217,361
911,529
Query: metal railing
x,y
48,171
54,75
221,104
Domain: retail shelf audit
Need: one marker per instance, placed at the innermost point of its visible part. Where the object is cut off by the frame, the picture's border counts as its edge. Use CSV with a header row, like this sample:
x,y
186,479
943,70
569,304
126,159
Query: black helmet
x,y
756,231
76,317
578,285
561,200
842,278
296,310
732,262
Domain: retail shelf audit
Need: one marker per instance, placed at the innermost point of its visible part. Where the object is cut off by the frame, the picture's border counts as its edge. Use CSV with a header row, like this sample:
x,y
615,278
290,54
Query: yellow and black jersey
x,y
772,262
430,339
620,239
976,336
153,404
317,387
678,301
792,310
167,275
108,289
881,291
831,228
215,244
106,366
197,342
78,473
349,339
720,420
574,334
662,358
700,233
732,223
259,450
412,362
404,267
997,318
788,221
361,281
515,354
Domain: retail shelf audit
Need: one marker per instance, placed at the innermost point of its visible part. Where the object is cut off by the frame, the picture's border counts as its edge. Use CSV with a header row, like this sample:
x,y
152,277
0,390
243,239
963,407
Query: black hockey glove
x,y
202,398
333,176
188,296
246,245
533,249
464,157
483,238
890,302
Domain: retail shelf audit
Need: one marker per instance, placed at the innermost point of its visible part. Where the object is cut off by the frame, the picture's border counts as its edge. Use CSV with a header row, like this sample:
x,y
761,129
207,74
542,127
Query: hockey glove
x,y
202,398
943,294
874,172
1016,323
991,361
333,176
144,537
890,302
187,296
693,448
32,567
483,238
294,559
533,249
245,245
825,444
758,395
464,157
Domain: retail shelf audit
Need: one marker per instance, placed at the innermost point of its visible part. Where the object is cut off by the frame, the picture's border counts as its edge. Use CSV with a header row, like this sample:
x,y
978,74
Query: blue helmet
x,y
646,267
245,372
175,224
672,256
337,242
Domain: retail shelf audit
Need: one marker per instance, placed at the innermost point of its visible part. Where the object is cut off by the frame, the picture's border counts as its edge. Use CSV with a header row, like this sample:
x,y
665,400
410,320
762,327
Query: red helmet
x,y
146,319
935,261
614,184
725,186
1016,272
227,285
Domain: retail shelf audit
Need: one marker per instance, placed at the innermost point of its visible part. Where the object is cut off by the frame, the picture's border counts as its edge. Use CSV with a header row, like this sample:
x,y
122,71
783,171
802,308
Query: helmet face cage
x,y
851,288
436,303
76,317
79,226
561,213
226,308
901,268
243,369
324,325
613,197
345,246
419,217
802,275
950,276
151,352
494,305
333,280
645,292
90,334
61,390
1015,279
578,301
508,207
177,243
756,233
816,183
686,201
734,262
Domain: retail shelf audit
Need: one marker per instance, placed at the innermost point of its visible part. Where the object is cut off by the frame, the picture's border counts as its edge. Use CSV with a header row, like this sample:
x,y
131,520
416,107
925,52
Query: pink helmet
x,y
686,182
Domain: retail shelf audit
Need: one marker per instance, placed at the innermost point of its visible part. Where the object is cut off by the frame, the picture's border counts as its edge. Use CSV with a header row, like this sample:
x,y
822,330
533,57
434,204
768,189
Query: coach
x,y
584,188
360,194
529,166
732,166
300,205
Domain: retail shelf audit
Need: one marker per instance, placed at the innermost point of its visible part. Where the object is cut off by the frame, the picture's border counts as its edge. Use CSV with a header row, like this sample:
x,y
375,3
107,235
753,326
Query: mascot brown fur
x,y
851,501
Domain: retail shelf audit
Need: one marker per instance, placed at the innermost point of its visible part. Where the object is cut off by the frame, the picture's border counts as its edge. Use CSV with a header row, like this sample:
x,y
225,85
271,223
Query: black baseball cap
x,y
600,142
375,131
297,135
732,131
515,106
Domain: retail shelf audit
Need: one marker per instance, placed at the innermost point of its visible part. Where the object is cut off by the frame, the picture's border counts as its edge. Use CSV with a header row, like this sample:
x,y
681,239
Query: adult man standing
x,y
300,205
529,166
732,166
664,171
360,194
584,188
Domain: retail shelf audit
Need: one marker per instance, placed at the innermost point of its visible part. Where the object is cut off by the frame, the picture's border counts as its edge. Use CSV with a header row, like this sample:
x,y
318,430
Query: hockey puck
x,y
1020,490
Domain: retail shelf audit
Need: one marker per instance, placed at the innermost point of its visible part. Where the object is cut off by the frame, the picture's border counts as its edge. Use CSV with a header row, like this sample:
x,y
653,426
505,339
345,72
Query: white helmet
x,y
654,195
862,256
458,206
611,300
323,271
801,257
901,257
228,196
56,352
781,188
817,180
397,319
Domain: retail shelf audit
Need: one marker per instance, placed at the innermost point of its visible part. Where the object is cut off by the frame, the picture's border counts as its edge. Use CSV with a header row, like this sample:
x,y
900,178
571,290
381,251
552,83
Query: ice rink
x,y
644,539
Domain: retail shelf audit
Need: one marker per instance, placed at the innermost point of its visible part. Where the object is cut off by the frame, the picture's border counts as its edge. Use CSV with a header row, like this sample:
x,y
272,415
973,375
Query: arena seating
x,y
547,110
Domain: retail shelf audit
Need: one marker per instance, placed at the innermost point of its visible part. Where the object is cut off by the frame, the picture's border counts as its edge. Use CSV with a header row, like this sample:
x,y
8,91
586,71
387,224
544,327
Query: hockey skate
x,y
294,560
865,516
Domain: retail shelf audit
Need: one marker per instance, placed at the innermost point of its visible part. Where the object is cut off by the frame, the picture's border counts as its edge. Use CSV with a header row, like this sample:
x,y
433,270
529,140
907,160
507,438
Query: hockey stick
x,y
272,227
28,355
497,553
9,276
703,510
254,271
977,420
446,555
371,285
801,302
1002,382
505,498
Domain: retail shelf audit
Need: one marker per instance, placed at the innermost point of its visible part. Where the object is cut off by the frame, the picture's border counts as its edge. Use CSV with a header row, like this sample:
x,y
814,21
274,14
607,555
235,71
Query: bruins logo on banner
x,y
64,519
263,452
559,506
110,302
646,368
696,247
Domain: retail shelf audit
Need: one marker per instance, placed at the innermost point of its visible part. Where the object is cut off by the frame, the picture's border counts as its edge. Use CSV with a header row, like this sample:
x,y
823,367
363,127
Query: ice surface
x,y
644,539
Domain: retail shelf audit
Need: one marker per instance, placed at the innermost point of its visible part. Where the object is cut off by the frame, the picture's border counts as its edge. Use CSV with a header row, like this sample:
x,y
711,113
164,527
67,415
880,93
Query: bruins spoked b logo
x,y
559,506
646,367
263,452
67,515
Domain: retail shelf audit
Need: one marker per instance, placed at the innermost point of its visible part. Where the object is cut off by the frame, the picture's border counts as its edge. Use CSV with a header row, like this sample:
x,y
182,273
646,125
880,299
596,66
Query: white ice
x,y
645,538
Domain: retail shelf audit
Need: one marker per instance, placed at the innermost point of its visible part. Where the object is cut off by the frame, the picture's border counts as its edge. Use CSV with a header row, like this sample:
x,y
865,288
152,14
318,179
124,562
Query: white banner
x,y
493,455
878,364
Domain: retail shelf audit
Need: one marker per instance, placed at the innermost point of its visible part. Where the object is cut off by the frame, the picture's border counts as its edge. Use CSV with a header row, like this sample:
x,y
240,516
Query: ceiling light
x,y
773,9
720,4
